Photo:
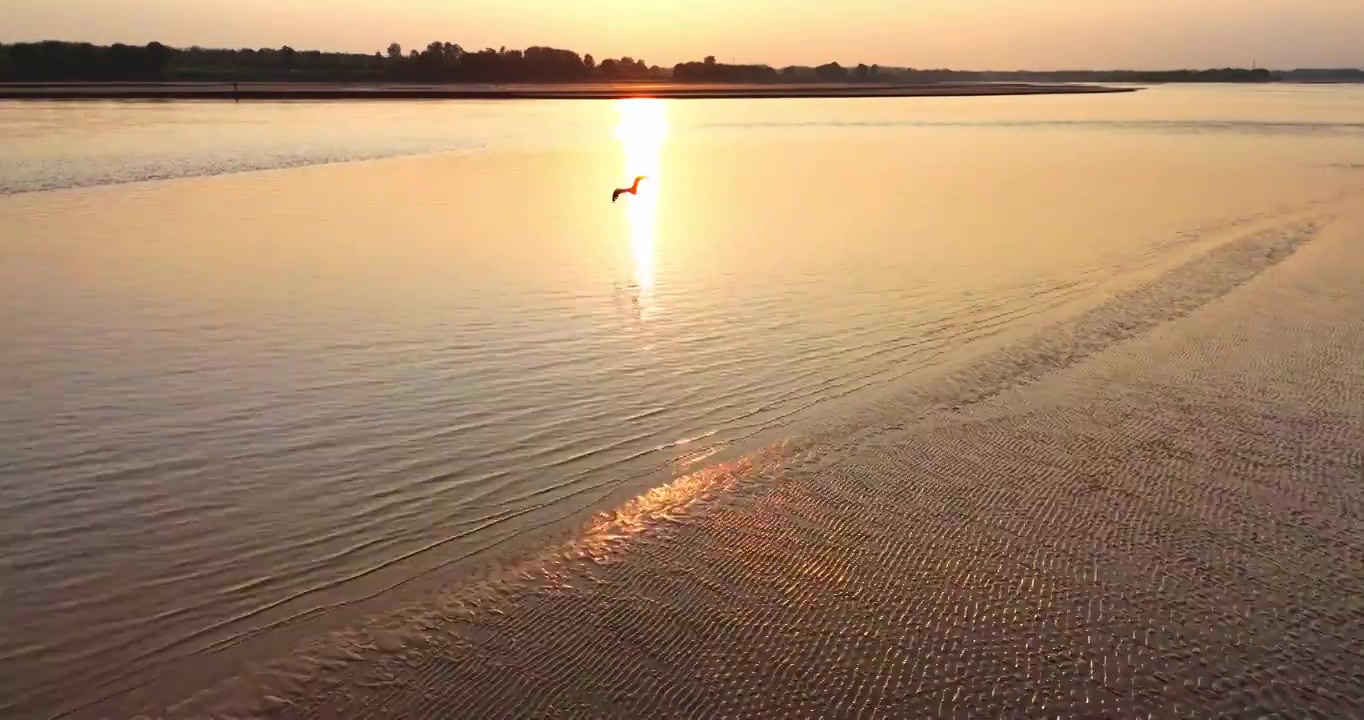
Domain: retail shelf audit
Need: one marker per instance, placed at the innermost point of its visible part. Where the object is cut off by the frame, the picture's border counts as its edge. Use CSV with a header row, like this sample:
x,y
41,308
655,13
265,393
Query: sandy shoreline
x,y
1155,508
336,91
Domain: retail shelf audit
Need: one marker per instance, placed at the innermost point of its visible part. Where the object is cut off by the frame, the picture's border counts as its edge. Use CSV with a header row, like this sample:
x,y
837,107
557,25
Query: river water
x,y
259,362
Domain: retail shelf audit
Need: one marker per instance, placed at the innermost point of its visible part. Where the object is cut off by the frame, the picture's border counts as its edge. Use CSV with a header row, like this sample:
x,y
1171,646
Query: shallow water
x,y
274,381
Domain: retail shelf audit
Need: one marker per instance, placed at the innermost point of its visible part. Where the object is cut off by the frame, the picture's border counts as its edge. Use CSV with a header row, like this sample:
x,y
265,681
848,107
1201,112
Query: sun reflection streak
x,y
641,132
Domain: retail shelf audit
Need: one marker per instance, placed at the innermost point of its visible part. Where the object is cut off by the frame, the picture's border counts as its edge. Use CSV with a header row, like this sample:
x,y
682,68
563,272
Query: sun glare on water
x,y
641,132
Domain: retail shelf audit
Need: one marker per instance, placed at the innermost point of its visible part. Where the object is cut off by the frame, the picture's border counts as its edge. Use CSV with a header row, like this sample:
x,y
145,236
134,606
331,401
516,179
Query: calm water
x,y
329,348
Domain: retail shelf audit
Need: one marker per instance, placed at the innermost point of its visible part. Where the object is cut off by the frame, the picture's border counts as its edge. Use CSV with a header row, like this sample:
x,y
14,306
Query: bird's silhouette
x,y
633,189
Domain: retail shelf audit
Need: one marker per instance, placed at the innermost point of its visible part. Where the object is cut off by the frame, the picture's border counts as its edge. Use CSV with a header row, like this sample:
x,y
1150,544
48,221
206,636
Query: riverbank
x,y
575,91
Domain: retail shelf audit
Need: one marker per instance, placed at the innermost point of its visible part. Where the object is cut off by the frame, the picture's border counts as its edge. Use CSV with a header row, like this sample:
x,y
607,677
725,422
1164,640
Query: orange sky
x,y
976,34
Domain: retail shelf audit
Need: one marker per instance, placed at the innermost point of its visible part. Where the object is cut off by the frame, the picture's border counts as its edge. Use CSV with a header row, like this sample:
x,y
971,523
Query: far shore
x,y
541,91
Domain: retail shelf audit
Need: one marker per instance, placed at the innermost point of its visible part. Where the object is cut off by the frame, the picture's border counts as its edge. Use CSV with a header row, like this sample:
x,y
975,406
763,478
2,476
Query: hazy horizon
x,y
971,34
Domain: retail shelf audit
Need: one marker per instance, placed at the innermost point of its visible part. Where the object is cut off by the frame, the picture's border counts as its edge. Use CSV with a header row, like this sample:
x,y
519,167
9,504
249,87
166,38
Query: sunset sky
x,y
973,34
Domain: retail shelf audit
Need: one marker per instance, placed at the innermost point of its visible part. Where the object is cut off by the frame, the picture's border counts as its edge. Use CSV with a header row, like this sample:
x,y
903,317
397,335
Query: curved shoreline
x,y
615,91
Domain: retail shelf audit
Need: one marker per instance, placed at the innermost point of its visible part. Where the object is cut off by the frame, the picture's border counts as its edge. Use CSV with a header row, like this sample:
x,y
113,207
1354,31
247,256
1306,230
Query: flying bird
x,y
633,189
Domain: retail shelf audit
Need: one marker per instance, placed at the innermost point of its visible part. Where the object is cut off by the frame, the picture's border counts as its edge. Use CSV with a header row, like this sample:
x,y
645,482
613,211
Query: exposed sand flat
x,y
1154,509
514,91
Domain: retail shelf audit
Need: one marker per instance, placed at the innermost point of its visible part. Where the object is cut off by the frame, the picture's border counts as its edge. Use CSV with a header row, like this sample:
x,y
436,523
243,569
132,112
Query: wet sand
x,y
1154,508
513,91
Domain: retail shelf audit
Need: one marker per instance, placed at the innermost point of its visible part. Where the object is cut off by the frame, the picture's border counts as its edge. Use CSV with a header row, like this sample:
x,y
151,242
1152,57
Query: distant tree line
x,y
1354,75
448,62
1223,75
55,61
709,70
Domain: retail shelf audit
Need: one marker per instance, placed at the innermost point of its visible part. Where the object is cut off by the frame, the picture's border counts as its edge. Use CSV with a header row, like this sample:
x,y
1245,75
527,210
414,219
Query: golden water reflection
x,y
642,128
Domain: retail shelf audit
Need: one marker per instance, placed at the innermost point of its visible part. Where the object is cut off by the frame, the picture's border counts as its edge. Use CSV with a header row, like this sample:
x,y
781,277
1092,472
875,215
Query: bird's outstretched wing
x,y
615,194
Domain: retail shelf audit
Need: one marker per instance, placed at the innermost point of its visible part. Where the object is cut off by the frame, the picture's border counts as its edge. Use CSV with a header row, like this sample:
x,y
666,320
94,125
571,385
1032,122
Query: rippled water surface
x,y
259,362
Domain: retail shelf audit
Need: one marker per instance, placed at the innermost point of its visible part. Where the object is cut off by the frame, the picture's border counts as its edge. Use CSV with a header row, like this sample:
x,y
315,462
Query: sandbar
x,y
1153,508
592,91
